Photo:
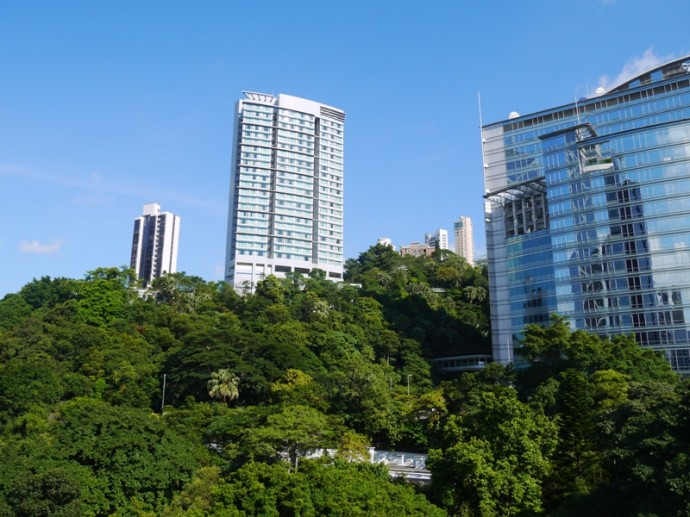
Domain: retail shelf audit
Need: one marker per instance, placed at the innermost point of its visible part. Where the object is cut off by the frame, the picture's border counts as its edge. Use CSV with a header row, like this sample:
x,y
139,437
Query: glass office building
x,y
286,190
587,210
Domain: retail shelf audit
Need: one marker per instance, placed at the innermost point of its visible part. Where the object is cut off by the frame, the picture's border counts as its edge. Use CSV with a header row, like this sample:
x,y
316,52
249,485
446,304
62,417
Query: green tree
x,y
185,293
299,388
196,499
53,492
29,380
104,294
320,488
425,419
577,465
132,453
13,309
379,256
495,457
224,385
294,431
646,454
220,343
553,349
474,294
353,447
48,292
360,391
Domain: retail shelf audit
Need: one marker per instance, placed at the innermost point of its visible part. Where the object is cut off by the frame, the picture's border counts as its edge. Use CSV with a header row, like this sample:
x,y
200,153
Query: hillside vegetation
x,y
194,400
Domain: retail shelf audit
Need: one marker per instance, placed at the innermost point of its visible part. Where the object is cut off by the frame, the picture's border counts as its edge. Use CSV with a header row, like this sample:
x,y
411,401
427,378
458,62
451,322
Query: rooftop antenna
x,y
481,135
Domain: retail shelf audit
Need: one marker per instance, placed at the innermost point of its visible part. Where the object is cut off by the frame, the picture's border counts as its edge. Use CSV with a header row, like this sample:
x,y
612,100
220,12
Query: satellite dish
x,y
600,91
513,114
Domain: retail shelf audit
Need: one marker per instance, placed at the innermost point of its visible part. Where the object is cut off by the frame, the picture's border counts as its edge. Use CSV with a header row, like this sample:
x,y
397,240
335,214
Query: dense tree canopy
x,y
440,301
257,382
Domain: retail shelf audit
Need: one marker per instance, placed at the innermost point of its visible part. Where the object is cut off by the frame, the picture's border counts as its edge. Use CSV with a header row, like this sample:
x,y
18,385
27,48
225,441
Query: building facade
x,y
438,239
154,243
415,249
587,213
464,239
286,190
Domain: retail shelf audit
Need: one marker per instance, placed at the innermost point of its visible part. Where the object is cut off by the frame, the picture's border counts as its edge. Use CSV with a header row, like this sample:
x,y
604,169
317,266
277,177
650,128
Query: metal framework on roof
x,y
517,191
261,97
584,131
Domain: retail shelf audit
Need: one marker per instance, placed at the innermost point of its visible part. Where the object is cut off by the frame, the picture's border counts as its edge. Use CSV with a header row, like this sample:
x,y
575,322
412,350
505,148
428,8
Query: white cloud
x,y
10,169
634,67
91,199
35,246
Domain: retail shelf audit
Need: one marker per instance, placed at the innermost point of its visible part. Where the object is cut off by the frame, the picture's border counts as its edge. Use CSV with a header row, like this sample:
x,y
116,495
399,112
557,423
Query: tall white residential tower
x,y
464,239
154,243
286,189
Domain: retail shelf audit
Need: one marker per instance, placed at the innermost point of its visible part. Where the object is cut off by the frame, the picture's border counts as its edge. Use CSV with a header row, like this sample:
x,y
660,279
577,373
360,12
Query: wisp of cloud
x,y
35,246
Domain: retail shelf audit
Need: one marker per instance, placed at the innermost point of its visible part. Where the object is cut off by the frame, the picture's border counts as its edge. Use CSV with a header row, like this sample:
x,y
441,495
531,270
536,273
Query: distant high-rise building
x,y
464,239
286,189
386,241
438,239
588,216
154,243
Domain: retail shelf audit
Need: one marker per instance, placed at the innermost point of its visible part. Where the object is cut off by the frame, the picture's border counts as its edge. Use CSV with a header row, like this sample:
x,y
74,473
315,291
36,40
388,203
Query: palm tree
x,y
223,385
474,293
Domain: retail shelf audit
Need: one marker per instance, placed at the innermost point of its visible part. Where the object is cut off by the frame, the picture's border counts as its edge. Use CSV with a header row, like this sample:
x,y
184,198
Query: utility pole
x,y
163,398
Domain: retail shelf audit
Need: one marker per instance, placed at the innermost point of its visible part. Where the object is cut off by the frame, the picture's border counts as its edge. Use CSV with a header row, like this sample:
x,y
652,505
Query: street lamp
x,y
163,397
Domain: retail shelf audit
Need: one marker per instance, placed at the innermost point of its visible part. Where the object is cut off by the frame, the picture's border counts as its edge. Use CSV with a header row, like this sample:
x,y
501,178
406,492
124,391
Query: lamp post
x,y
163,397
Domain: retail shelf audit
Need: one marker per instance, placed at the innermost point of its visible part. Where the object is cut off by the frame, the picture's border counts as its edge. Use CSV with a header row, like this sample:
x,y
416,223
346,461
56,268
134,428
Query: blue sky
x,y
107,106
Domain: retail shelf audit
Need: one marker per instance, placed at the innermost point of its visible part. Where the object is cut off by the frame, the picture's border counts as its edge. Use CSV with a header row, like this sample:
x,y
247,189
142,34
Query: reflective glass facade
x,y
588,215
286,189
